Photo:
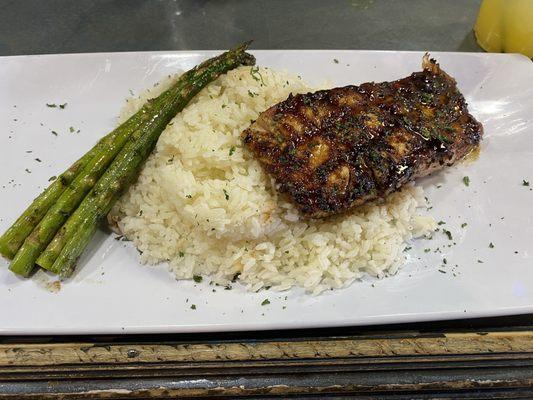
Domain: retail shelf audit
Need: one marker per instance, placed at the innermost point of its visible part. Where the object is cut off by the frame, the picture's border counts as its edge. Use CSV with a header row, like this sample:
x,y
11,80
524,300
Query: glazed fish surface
x,y
335,149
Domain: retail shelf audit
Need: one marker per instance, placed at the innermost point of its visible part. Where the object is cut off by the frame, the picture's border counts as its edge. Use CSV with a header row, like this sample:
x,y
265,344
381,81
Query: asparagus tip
x,y
247,58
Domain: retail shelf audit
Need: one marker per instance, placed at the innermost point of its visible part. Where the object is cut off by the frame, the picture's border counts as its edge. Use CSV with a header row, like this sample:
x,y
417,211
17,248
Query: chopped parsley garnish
x,y
441,223
427,250
52,178
232,150
51,105
71,129
251,94
480,262
466,180
442,271
335,61
448,233
265,302
525,183
62,106
306,100
491,245
463,224
374,156
197,278
181,254
440,137
193,306
445,127
54,133
224,106
254,71
226,195
445,261
426,97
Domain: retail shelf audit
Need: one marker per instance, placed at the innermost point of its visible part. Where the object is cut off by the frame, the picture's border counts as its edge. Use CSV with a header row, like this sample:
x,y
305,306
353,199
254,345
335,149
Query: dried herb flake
x,y
254,71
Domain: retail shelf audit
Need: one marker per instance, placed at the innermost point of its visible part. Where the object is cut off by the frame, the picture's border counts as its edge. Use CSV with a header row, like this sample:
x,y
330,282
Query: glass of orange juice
x,y
505,26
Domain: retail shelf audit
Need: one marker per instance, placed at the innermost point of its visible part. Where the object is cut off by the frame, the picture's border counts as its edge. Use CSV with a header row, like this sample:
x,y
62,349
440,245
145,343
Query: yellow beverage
x,y
506,26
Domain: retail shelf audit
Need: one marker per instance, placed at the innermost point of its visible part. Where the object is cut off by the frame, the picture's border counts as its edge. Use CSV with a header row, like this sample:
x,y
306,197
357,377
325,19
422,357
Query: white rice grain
x,y
203,204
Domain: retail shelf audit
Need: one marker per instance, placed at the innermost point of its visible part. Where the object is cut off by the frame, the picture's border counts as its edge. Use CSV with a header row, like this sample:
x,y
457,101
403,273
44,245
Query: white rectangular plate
x,y
113,293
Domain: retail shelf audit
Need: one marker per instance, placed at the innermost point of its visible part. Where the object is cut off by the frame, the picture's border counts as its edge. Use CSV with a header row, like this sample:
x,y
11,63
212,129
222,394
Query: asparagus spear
x,y
13,238
42,234
78,230
76,189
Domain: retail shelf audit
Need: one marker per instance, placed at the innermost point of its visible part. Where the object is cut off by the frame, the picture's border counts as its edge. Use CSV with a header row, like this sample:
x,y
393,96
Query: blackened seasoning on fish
x,y
335,149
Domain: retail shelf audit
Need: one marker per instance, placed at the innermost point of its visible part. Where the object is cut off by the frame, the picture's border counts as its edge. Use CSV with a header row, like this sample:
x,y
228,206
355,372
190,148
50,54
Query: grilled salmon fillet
x,y
335,149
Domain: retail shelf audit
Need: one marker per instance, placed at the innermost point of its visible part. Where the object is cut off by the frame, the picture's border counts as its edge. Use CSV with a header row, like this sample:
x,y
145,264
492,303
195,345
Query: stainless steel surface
x,y
68,26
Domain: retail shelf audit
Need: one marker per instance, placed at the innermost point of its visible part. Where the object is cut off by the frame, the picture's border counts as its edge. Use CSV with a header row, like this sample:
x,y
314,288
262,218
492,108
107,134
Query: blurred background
x,y
68,26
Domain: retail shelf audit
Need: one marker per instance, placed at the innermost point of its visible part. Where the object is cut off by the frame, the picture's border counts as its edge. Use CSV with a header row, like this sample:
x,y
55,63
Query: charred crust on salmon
x,y
332,150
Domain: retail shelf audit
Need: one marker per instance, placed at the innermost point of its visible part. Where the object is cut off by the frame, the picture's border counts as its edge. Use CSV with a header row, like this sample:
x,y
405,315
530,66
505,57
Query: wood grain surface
x,y
396,365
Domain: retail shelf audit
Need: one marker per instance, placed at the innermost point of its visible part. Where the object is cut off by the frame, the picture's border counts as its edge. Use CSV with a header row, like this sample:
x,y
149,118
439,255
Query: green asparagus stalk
x,y
74,192
12,239
77,189
31,251
80,227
